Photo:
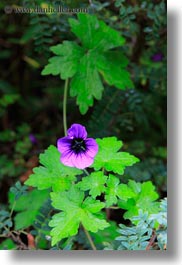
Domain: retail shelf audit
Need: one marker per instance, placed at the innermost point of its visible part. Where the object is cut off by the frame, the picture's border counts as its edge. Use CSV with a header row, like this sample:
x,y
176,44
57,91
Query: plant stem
x,y
89,238
152,240
86,172
19,232
12,209
64,105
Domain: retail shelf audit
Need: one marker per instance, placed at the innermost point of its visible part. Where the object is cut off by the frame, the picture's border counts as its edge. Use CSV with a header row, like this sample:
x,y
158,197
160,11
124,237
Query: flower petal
x,y
64,144
66,159
77,131
82,160
92,147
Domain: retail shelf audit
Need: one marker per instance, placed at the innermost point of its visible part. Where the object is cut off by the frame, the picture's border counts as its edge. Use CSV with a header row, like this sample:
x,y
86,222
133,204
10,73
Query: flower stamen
x,y
78,145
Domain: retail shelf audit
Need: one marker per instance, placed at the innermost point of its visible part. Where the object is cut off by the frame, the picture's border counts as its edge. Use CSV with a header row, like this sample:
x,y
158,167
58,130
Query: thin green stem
x,y
89,238
64,105
12,209
20,232
3,235
86,172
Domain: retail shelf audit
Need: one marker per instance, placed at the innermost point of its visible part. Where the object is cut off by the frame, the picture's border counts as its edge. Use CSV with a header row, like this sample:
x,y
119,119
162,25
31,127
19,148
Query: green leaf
x,y
144,198
135,237
8,99
18,190
53,173
75,210
85,63
67,200
114,72
114,190
29,33
94,33
106,236
92,205
111,190
124,192
28,207
7,244
86,84
94,183
67,62
109,158
161,216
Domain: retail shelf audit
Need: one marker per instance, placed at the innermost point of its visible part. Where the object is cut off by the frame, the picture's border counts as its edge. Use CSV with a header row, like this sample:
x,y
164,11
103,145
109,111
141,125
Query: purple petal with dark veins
x,y
77,131
64,144
92,147
66,158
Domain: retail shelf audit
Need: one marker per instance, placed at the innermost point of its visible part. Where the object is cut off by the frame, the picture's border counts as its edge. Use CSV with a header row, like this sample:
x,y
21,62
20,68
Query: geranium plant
x,y
80,179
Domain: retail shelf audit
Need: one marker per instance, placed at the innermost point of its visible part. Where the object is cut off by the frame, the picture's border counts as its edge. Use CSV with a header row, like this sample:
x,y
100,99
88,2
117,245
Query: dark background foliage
x,y
31,104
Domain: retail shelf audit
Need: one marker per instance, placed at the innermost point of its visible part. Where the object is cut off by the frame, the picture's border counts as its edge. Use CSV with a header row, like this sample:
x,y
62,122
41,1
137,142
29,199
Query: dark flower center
x,y
78,145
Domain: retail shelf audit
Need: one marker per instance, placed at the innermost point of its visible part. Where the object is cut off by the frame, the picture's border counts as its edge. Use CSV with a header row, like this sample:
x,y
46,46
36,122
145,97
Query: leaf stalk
x,y
64,105
89,238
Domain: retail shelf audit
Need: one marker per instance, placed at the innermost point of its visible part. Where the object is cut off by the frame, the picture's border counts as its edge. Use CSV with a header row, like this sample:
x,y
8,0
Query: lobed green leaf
x,y
27,207
110,159
84,64
115,190
144,198
75,211
66,63
94,183
53,173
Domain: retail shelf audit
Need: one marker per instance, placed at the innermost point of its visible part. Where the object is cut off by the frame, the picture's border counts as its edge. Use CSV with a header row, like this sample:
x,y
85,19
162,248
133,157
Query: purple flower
x,y
32,138
76,149
157,57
